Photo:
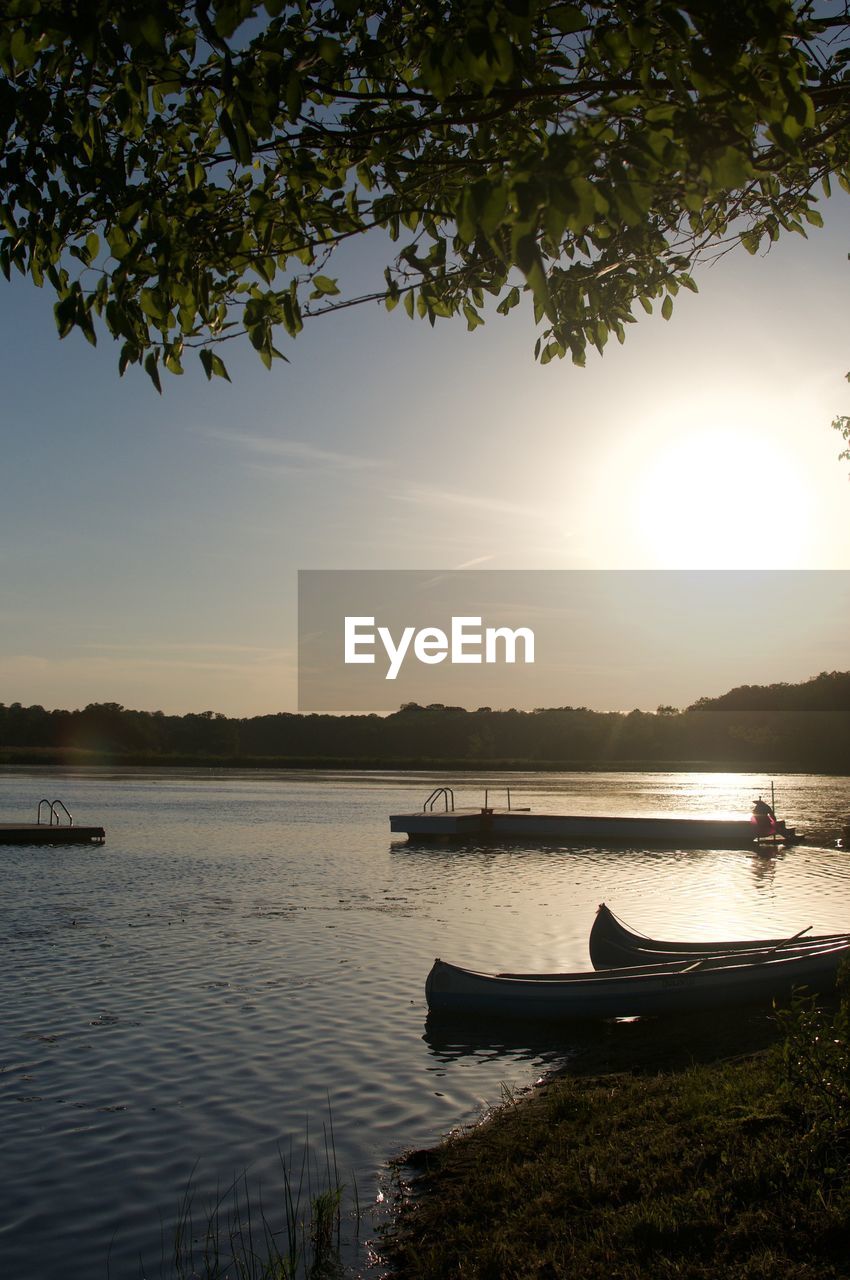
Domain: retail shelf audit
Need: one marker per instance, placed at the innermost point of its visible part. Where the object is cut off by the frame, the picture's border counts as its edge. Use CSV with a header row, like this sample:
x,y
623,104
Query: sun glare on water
x,y
719,499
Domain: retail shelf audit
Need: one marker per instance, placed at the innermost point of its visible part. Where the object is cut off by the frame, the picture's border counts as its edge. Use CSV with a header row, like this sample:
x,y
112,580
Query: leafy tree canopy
x,y
180,173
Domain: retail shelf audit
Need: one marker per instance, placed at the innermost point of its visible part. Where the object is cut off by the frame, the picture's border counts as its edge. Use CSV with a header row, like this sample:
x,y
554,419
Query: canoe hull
x,y
643,991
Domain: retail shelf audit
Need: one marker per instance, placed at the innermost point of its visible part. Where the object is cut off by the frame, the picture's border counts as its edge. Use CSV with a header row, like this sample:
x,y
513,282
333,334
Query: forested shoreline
x,y
803,726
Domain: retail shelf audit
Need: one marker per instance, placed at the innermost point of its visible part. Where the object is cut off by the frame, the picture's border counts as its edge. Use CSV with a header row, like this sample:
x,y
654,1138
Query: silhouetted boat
x,y
613,945
678,986
510,824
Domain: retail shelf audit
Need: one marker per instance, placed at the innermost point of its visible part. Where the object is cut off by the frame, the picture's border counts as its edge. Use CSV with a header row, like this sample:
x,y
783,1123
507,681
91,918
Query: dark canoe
x,y
613,945
678,986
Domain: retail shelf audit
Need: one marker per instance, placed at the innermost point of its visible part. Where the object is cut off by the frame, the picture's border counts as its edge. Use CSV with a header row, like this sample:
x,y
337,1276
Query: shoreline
x,y
656,1152
26,757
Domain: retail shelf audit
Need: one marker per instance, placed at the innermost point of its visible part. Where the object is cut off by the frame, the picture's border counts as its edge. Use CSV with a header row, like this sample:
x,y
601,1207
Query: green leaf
x,y
219,369
65,313
617,45
293,95
152,31
731,168
233,128
213,364
511,300
129,355
152,304
473,319
329,50
324,285
667,307
528,259
567,18
244,148
118,243
152,371
22,50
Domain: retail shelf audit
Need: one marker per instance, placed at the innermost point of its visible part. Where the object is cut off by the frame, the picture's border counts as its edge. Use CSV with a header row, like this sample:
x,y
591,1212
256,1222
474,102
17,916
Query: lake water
x,y
181,1004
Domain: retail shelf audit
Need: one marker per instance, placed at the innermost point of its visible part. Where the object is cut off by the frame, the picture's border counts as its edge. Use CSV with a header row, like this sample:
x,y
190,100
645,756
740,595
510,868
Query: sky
x,y
150,546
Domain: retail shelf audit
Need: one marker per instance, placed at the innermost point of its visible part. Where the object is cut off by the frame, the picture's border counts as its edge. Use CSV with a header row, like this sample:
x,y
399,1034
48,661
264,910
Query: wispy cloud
x,y
290,455
430,583
258,651
470,564
201,656
430,496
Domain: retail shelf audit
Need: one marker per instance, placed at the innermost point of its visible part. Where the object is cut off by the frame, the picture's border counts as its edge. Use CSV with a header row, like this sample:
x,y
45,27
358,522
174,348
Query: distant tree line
x,y
782,726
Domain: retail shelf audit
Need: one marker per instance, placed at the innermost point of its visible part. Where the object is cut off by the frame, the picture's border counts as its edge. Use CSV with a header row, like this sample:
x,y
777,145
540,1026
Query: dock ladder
x,y
440,793
53,807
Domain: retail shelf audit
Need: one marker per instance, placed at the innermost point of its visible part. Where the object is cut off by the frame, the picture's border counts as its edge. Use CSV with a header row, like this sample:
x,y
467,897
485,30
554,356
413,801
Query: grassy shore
x,y
737,1168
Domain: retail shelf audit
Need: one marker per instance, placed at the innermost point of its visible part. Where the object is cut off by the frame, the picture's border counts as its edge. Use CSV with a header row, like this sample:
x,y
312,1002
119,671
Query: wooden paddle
x,y
787,941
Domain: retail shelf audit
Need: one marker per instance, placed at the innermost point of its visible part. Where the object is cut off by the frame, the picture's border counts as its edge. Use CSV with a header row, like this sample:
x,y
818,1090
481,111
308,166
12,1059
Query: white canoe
x,y
678,986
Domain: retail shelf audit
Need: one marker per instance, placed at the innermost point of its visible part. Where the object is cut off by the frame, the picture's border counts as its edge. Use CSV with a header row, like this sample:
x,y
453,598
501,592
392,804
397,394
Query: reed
x,y
241,1235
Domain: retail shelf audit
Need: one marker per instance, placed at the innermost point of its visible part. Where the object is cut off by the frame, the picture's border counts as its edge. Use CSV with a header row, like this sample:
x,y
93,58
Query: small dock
x,y
54,825
43,833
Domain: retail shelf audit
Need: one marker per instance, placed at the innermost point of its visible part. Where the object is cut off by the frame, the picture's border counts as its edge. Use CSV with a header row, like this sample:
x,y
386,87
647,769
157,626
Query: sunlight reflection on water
x,y
246,946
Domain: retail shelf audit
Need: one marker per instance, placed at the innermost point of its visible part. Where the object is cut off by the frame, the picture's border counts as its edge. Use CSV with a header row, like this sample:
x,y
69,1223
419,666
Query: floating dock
x,y
44,833
510,824
57,827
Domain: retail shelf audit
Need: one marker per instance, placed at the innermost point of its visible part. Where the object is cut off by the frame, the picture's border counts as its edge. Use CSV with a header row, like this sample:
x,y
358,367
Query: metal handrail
x,y
57,804
487,791
52,808
447,795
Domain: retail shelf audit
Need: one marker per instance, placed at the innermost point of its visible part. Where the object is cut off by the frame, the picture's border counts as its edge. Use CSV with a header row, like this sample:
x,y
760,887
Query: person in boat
x,y
764,817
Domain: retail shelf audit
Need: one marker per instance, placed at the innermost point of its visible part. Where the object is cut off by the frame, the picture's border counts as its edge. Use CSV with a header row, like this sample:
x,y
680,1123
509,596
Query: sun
x,y
719,498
